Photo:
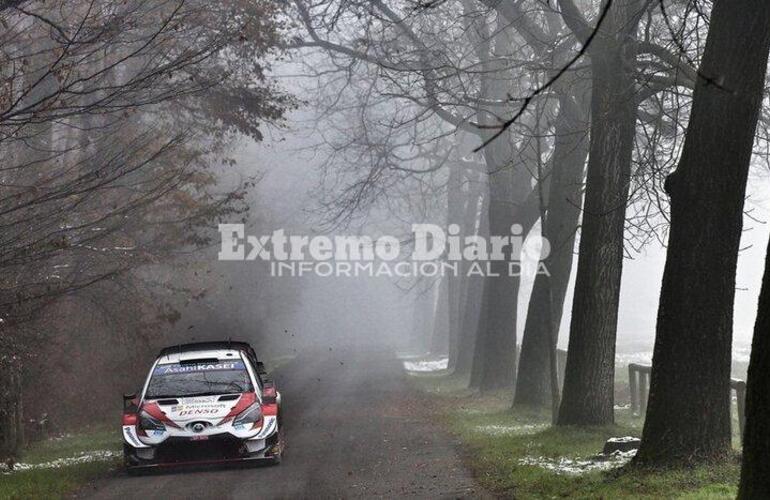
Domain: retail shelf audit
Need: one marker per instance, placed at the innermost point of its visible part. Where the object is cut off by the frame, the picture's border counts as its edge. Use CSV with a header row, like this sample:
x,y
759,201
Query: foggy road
x,y
353,429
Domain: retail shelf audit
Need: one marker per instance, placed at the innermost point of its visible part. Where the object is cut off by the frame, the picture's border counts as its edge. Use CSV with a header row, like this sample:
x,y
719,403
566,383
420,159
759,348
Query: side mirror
x,y
130,403
269,394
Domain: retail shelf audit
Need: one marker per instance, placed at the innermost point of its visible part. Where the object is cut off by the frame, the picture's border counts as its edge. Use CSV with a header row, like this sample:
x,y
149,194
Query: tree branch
x,y
577,23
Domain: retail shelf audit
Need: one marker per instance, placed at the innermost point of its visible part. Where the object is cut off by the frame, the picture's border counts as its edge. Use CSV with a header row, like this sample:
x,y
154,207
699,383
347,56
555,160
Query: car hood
x,y
213,409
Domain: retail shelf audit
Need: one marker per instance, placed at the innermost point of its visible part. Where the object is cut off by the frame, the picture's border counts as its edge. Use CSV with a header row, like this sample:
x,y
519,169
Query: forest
x,y
580,138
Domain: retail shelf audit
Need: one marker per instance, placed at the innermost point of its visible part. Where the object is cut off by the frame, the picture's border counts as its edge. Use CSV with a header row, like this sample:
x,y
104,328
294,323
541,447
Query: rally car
x,y
206,402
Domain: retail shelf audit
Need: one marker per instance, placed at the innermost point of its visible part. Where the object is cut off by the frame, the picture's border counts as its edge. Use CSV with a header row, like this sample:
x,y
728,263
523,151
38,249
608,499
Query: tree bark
x,y
423,316
688,415
478,285
509,186
459,200
11,421
479,349
472,289
495,358
589,379
564,203
470,325
439,340
755,473
498,337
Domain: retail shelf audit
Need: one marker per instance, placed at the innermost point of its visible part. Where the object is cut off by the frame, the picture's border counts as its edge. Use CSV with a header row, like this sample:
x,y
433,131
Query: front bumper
x,y
201,450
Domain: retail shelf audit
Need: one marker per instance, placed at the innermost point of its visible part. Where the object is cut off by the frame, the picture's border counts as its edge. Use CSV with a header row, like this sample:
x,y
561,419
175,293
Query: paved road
x,y
354,429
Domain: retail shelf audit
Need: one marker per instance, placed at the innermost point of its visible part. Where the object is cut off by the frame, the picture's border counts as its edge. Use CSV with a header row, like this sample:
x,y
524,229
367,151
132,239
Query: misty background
x,y
372,311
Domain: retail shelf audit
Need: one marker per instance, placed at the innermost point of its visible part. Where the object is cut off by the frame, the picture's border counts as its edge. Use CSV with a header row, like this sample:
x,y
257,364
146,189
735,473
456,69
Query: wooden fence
x,y
639,385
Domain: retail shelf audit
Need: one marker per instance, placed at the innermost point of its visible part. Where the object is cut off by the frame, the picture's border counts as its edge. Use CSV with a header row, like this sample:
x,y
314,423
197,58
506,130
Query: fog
x,y
379,311
471,225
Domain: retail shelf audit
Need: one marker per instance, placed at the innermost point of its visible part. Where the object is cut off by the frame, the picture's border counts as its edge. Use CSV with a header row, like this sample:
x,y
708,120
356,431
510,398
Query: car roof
x,y
207,346
191,355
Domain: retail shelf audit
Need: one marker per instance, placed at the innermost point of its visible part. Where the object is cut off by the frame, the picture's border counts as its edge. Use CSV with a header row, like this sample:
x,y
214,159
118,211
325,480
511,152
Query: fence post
x,y
633,388
740,397
644,391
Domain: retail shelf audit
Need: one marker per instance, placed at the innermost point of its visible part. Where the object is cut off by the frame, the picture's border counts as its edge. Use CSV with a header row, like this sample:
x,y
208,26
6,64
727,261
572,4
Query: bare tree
x,y
438,87
110,121
755,476
688,416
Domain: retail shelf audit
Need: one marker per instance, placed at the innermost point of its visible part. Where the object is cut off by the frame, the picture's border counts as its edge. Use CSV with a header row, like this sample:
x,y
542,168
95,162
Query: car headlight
x,y
150,423
250,416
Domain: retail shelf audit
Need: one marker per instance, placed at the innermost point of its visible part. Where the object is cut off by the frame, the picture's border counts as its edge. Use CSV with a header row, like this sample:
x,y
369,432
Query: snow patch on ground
x,y
578,466
624,439
511,430
427,365
80,458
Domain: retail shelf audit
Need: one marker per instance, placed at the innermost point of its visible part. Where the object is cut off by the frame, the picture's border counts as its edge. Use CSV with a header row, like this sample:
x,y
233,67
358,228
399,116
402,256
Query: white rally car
x,y
207,402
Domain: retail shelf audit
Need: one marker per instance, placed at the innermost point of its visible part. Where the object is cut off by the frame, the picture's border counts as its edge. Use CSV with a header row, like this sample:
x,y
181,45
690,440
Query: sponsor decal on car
x,y
198,367
201,410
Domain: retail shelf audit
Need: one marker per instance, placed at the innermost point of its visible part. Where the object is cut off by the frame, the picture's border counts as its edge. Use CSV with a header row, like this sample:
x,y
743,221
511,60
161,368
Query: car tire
x,y
127,459
276,458
129,462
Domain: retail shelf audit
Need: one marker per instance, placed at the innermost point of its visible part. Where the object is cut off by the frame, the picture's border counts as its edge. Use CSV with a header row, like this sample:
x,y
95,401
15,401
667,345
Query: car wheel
x,y
128,460
276,458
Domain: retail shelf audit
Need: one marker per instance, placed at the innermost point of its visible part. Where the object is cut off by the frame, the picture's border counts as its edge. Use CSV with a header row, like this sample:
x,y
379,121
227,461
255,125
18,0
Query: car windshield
x,y
204,378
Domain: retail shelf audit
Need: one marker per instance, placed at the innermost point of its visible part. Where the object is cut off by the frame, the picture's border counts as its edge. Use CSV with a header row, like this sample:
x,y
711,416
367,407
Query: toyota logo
x,y
198,427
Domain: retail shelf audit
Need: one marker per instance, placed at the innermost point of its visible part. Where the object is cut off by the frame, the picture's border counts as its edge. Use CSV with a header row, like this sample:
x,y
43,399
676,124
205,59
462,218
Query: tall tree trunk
x,y
688,415
563,211
589,376
472,289
470,324
458,200
495,354
498,362
423,316
439,340
509,186
755,473
479,349
11,421
478,284
454,287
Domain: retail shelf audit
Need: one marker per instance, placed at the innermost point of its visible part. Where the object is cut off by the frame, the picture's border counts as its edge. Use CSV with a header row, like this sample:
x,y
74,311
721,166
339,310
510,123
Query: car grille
x,y
186,450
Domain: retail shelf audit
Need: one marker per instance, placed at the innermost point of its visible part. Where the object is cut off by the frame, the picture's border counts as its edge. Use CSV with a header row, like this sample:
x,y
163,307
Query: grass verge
x,y
56,467
500,446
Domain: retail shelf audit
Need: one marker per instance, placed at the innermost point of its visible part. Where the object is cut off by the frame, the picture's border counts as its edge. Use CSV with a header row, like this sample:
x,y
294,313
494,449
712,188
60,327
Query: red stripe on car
x,y
247,399
155,412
